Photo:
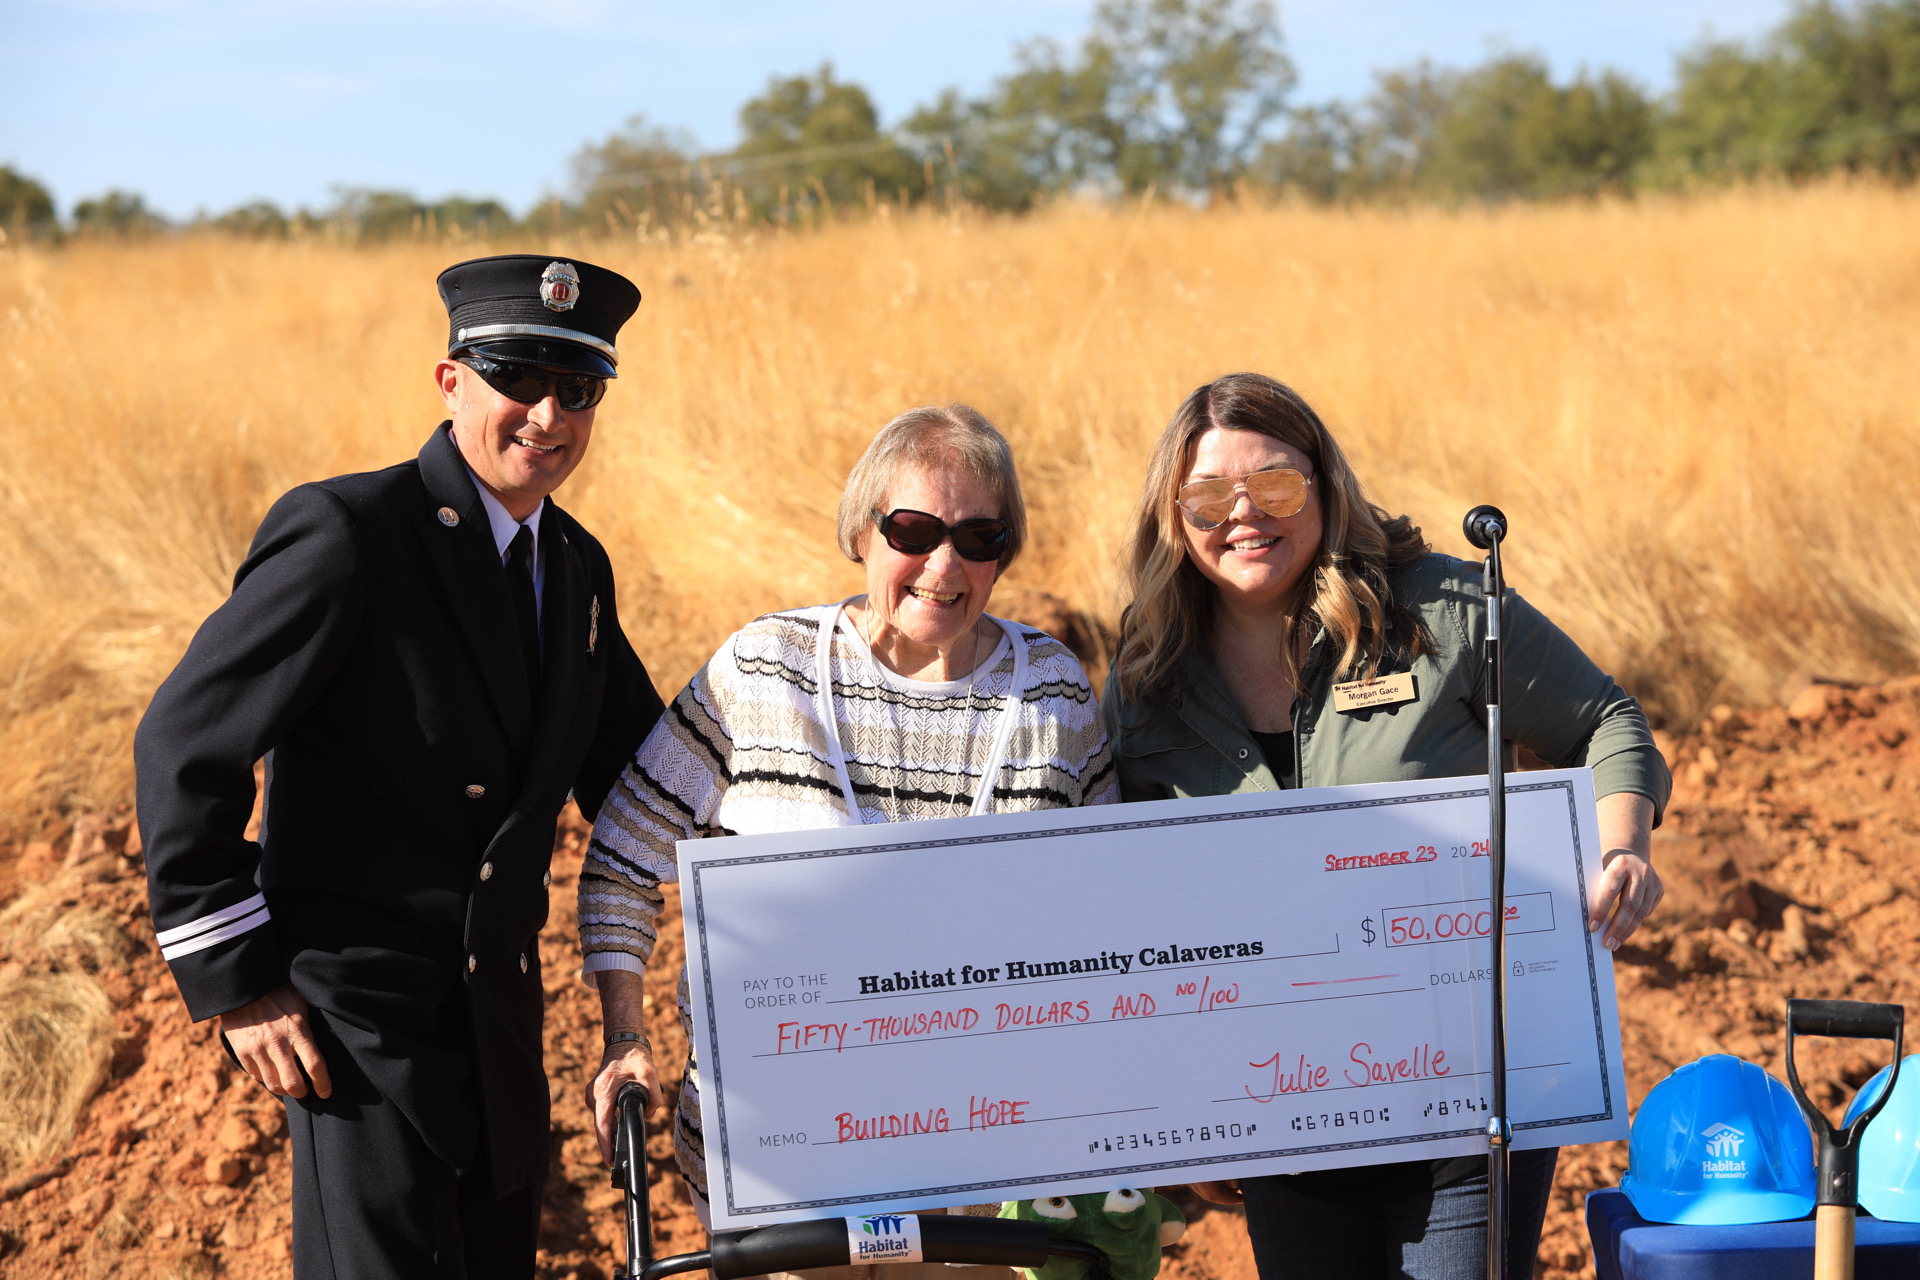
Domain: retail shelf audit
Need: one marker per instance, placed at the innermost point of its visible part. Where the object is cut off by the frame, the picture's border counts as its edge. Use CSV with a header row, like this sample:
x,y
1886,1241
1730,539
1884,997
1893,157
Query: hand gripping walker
x,y
798,1246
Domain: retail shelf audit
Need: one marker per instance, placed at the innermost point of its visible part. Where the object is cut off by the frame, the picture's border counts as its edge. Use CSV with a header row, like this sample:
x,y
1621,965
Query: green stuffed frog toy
x,y
1130,1227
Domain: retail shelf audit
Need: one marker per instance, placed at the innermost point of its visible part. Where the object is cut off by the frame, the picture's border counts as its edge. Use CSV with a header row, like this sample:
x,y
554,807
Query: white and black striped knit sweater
x,y
741,751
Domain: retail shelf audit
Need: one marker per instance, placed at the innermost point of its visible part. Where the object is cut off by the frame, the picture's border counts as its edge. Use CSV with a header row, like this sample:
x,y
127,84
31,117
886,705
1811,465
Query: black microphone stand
x,y
1485,527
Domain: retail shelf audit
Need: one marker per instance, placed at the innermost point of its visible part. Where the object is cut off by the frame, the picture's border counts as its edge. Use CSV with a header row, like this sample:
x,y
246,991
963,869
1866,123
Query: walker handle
x,y
822,1242
630,1175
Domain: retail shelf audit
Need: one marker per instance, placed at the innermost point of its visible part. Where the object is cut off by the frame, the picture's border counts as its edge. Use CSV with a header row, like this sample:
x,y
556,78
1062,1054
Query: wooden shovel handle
x,y
1833,1242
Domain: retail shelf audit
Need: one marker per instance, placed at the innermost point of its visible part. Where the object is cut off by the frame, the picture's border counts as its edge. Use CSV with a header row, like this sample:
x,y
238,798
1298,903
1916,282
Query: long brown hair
x,y
1348,594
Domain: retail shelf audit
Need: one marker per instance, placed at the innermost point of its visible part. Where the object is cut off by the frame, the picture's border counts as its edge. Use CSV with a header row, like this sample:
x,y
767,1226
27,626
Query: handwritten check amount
x,y
927,1014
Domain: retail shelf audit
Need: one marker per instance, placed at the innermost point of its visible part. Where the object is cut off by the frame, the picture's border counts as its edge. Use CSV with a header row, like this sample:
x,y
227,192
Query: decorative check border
x,y
714,1067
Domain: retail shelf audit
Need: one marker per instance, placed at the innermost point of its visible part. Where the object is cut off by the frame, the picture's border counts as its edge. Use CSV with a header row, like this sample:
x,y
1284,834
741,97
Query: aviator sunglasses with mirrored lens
x,y
530,384
915,533
1281,491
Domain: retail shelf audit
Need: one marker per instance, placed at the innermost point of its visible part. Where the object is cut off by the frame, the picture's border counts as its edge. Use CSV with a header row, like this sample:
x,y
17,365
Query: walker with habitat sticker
x,y
1031,1242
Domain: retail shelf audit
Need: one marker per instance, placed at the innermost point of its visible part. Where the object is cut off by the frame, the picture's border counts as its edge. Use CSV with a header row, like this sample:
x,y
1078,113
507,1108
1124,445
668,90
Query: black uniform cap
x,y
532,308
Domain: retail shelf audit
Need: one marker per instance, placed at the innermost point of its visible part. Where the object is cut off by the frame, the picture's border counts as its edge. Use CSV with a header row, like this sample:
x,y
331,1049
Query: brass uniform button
x,y
473,962
475,791
486,871
523,962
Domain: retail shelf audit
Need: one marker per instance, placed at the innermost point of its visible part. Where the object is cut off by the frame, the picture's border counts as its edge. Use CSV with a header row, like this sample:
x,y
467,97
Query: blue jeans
x,y
1429,1235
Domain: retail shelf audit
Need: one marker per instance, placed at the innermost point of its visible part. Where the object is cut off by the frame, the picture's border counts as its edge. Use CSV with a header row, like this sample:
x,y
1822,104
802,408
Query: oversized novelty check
x,y
949,1012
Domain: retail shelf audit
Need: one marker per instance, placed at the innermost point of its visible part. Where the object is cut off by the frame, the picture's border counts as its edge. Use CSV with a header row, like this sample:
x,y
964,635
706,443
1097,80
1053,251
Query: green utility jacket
x,y
1558,704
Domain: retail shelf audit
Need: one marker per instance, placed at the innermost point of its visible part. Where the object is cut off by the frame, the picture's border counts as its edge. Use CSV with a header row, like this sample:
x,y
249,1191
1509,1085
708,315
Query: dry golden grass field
x,y
1702,415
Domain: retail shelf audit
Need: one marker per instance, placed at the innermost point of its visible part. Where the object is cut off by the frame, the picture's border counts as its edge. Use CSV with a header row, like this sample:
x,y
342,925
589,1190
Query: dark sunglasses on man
x,y
530,384
915,533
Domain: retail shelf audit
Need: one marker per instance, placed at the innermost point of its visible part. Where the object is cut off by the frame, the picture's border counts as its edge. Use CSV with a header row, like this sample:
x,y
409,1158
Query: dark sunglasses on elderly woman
x,y
530,384
1206,504
915,533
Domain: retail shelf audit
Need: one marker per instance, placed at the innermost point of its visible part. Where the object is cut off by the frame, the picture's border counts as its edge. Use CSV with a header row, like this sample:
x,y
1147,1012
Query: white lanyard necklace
x,y
823,704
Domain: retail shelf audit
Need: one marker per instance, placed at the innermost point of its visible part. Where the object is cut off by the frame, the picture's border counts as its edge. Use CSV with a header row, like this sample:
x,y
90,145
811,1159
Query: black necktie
x,y
527,613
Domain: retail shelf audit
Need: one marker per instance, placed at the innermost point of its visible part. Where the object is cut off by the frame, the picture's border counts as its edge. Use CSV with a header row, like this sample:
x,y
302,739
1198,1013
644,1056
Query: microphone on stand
x,y
1485,528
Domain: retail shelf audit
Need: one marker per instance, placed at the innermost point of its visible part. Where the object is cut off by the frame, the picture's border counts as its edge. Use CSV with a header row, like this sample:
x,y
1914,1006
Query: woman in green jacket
x,y
1262,579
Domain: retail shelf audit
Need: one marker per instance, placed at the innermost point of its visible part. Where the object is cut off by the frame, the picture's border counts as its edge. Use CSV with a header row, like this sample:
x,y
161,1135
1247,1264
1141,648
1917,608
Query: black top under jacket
x,y
369,652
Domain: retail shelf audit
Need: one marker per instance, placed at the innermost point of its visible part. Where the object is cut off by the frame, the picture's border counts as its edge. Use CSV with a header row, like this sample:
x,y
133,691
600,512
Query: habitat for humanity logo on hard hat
x,y
1720,1142
884,1237
1723,1149
1723,1141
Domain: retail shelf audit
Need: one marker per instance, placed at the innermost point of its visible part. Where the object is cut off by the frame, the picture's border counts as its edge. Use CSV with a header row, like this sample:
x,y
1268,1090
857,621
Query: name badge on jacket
x,y
1367,695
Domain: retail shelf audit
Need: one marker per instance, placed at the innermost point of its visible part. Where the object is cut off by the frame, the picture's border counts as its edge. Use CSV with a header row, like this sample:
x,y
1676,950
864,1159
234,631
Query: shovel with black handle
x,y
1838,1191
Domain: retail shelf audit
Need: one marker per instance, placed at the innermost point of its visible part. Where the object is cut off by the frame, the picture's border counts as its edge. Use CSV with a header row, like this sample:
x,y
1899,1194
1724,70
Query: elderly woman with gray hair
x,y
803,719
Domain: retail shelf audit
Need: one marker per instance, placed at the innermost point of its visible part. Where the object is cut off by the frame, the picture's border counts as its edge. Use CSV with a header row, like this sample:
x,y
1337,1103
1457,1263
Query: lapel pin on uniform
x,y
593,624
449,517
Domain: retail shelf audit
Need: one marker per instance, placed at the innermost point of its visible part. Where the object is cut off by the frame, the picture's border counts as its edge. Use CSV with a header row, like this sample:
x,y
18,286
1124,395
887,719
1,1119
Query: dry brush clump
x,y
54,1034
56,1016
1698,413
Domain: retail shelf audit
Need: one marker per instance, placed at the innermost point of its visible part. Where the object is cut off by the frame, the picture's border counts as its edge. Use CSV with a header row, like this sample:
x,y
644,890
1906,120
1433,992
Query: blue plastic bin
x,y
1628,1247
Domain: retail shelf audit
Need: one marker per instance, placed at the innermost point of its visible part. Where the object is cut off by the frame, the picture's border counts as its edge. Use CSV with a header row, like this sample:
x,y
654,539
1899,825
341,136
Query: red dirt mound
x,y
1787,855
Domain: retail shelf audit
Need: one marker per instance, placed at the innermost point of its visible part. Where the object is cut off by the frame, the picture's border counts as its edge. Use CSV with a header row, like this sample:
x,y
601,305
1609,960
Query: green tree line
x,y
1190,97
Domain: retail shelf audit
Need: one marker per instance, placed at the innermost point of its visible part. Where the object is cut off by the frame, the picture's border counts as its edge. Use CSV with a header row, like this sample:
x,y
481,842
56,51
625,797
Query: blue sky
x,y
204,104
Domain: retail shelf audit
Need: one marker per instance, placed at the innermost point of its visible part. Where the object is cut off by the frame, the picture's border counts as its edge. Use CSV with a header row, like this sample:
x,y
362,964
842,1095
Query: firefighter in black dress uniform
x,y
430,659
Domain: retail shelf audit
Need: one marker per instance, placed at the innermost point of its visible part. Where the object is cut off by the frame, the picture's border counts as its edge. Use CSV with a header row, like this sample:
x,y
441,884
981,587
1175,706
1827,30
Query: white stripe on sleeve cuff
x,y
213,928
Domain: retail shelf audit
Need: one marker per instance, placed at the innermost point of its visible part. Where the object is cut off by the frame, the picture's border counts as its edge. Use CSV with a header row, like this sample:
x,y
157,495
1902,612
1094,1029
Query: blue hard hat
x,y
1720,1141
1890,1145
